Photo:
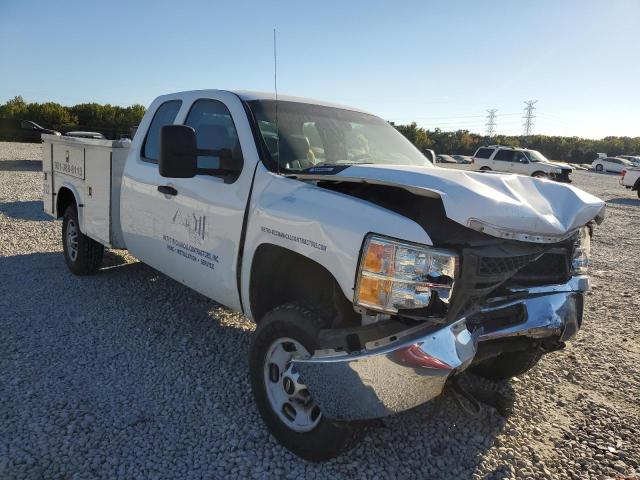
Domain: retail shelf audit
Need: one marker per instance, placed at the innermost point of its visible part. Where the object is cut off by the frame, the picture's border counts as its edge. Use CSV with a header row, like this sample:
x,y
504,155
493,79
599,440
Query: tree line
x,y
111,120
114,121
569,149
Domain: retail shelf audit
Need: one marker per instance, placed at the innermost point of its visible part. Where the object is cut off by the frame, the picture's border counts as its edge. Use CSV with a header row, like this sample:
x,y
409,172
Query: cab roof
x,y
248,95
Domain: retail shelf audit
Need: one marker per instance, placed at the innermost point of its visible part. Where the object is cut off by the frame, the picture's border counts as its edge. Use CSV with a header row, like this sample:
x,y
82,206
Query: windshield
x,y
312,135
535,156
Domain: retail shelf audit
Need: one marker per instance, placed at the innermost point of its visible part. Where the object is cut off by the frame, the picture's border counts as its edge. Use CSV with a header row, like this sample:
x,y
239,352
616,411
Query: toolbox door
x,y
48,199
97,195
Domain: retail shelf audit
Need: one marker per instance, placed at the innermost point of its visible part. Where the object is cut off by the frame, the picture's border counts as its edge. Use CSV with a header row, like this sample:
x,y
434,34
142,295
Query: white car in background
x,y
631,179
611,164
635,159
520,160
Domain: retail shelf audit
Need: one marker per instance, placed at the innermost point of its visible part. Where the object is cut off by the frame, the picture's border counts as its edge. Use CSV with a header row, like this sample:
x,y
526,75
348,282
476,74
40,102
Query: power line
x,y
527,120
491,122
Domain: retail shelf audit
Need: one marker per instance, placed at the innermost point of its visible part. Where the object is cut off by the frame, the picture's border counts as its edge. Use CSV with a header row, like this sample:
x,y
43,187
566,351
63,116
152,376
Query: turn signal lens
x,y
581,251
395,275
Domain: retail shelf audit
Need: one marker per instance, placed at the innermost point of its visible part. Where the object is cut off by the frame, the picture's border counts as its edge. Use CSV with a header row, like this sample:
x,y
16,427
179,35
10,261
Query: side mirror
x,y
178,152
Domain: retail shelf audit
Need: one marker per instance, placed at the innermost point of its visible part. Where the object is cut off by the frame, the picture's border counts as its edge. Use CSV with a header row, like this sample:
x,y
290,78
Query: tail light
x,y
623,173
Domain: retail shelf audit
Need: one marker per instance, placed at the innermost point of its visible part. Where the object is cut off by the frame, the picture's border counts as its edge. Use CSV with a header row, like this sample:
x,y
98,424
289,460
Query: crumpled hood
x,y
532,209
557,164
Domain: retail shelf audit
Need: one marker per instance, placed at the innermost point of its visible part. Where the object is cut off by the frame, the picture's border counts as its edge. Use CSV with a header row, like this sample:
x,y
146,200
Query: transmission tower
x,y
527,120
491,122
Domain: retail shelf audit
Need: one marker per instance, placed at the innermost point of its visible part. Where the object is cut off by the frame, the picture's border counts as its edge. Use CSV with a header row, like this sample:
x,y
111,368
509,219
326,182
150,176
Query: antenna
x,y
275,88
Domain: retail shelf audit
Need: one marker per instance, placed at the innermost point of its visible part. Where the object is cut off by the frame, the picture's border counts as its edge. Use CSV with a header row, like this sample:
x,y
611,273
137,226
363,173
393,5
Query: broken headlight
x,y
581,251
394,275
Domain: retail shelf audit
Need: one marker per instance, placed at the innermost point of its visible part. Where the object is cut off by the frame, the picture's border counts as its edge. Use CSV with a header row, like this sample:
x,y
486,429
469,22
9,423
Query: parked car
x,y
464,159
22,130
611,164
631,179
520,160
445,159
635,159
95,135
373,276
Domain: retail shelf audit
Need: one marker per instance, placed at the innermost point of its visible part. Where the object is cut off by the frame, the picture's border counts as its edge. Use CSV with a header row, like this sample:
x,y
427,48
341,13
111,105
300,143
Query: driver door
x,y
520,163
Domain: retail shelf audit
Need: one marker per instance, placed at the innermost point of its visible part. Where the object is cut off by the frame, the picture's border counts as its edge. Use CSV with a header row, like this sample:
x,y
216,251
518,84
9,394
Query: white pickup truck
x,y
373,276
631,179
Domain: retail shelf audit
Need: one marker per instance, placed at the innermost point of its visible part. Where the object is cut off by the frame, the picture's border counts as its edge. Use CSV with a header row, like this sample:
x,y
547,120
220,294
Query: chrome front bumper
x,y
405,373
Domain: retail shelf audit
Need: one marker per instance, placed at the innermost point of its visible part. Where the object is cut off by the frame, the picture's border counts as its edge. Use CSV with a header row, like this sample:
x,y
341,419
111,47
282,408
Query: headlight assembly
x,y
394,275
581,251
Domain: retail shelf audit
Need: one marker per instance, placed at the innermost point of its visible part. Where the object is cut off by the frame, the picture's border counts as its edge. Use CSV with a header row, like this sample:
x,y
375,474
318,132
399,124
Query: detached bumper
x,y
408,372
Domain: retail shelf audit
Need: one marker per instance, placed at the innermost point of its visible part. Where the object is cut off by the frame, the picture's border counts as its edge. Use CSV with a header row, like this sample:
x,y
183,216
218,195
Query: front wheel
x,y
599,168
282,398
540,175
82,254
508,364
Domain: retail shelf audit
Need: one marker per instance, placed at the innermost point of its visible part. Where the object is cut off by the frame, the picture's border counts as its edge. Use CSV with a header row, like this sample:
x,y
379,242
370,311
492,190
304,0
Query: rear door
x,y
194,235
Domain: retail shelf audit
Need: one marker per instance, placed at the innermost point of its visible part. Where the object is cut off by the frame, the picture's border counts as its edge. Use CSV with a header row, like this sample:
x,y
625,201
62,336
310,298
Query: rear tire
x,y
508,364
313,437
82,254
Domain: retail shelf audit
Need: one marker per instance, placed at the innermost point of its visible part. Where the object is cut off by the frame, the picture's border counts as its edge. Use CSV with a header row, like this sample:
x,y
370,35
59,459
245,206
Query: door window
x,y
484,153
215,130
165,115
519,157
504,155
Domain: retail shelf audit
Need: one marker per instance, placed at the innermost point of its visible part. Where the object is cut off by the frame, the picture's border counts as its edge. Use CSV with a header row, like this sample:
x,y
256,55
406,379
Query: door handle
x,y
167,190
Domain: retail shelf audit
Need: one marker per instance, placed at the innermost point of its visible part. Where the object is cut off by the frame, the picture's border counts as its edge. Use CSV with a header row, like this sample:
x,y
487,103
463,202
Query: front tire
x,y
485,169
281,397
82,254
539,175
599,168
508,364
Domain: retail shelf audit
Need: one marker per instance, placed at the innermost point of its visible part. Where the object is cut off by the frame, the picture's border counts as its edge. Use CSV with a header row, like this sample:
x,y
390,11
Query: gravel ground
x,y
128,374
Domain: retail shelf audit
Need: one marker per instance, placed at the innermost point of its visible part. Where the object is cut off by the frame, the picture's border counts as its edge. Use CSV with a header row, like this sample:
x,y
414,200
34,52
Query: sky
x,y
438,63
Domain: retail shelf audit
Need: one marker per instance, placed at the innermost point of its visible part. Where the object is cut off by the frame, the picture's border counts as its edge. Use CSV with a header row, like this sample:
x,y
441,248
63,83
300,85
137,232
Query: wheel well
x,y
280,276
485,168
64,198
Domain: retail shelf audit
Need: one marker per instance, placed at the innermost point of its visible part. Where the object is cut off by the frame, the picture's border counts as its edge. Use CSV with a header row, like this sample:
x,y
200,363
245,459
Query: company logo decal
x,y
195,224
295,238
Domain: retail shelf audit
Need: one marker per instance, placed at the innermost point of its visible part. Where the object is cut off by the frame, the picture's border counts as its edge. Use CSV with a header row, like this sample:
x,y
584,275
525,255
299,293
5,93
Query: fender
x,y
325,226
78,199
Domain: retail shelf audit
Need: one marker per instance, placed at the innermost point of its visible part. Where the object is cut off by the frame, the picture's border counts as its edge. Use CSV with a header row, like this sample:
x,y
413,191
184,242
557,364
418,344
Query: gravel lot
x,y
128,374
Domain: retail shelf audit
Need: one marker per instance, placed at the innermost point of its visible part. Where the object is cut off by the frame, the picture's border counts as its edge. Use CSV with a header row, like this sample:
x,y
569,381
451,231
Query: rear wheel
x,y
282,398
508,364
82,254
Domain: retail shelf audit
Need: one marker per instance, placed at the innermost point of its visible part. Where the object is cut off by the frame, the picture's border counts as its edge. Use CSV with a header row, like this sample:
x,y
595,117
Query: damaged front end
x,y
478,294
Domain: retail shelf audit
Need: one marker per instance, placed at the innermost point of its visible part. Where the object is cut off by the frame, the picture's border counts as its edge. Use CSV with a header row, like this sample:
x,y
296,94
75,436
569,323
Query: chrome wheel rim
x,y
72,240
288,395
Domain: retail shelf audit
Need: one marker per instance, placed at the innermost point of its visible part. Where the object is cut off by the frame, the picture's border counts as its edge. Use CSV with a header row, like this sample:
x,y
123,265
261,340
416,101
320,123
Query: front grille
x,y
550,268
490,266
